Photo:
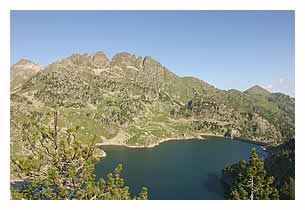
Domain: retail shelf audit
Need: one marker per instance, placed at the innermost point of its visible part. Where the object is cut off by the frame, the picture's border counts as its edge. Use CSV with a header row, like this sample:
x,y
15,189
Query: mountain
x,y
257,90
22,71
137,101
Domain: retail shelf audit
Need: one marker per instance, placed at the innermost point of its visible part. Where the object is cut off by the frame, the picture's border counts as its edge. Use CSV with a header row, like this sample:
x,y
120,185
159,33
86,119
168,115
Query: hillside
x,y
136,101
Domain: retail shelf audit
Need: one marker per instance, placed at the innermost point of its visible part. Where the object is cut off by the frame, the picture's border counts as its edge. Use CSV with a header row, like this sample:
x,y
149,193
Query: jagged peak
x,y
123,55
76,58
149,59
126,59
98,58
100,53
78,55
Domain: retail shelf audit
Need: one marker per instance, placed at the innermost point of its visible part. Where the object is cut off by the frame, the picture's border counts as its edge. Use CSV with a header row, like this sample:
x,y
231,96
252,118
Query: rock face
x,y
141,98
100,59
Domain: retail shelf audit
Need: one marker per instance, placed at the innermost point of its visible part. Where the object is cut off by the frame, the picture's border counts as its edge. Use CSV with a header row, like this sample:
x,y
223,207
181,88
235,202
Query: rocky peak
x,y
23,61
149,61
155,68
97,59
79,59
124,59
100,58
26,64
22,71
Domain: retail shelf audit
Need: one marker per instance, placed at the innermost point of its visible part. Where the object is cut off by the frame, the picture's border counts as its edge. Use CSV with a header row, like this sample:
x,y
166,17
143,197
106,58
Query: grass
x,y
88,127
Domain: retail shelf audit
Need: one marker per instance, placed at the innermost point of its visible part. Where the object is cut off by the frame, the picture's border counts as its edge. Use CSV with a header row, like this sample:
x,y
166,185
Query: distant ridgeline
x,y
140,102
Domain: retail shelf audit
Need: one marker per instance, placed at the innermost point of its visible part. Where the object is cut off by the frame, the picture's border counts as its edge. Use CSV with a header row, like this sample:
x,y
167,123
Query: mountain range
x,y
136,101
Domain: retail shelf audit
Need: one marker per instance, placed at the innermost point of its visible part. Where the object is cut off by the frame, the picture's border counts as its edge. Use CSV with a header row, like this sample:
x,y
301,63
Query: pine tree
x,y
281,164
62,167
251,182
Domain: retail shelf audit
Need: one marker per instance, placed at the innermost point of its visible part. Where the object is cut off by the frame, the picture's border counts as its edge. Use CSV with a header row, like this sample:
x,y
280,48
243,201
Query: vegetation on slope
x,y
272,178
62,167
281,165
248,180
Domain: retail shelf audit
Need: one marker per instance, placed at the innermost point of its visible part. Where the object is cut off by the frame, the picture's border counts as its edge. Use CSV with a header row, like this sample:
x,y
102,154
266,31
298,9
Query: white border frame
x,y
8,5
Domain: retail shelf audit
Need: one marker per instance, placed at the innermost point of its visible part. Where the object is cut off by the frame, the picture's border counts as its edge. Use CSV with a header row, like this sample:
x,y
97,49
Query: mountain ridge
x,y
254,88
136,101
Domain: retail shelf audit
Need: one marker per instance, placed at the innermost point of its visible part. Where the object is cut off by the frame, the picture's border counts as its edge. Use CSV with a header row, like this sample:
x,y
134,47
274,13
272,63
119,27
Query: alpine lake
x,y
177,169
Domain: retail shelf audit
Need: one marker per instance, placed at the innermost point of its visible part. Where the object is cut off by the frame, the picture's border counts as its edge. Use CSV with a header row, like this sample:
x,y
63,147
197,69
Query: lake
x,y
179,169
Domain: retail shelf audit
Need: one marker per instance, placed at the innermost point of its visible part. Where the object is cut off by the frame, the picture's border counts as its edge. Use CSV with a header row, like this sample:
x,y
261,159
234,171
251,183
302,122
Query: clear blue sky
x,y
228,49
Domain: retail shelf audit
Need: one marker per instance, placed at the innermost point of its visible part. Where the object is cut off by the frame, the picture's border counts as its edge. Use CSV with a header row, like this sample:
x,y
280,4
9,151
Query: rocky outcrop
x,y
100,59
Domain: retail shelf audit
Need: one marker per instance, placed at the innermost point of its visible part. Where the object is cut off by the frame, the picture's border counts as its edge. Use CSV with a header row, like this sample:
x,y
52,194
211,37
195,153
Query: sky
x,y
228,49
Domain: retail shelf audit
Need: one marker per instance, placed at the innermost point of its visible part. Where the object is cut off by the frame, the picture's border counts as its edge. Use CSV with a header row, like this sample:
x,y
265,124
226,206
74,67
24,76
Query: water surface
x,y
182,169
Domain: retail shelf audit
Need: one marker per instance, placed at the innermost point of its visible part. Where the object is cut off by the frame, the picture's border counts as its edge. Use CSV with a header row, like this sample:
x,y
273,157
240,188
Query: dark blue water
x,y
185,170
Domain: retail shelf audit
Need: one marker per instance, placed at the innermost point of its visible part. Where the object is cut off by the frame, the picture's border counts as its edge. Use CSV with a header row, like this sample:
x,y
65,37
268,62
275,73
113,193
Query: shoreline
x,y
199,137
259,143
202,136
